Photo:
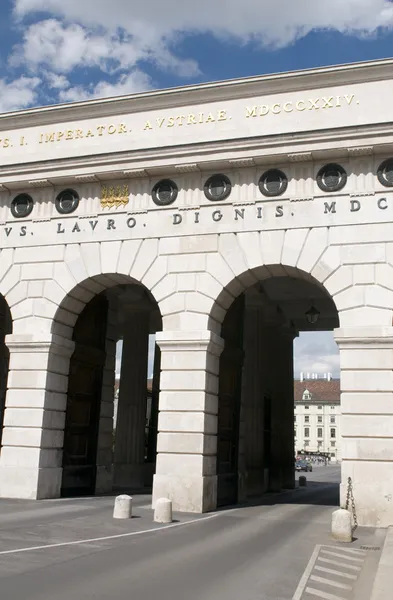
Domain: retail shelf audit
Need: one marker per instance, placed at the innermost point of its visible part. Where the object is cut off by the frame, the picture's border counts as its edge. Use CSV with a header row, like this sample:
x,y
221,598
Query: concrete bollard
x,y
163,511
302,481
123,507
342,526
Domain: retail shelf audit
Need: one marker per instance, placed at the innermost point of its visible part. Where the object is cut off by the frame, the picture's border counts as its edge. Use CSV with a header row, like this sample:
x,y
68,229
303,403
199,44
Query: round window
x,y
331,178
66,202
217,187
164,192
385,173
273,183
21,206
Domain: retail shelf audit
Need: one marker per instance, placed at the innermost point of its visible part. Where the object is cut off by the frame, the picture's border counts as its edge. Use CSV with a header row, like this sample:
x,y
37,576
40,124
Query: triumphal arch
x,y
224,218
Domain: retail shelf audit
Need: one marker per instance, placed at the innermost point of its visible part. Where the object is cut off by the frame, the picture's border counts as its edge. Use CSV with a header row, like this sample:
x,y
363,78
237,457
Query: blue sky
x,y
66,50
69,50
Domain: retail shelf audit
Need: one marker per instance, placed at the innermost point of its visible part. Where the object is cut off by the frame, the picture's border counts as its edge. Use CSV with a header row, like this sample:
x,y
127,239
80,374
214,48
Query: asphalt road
x,y
62,549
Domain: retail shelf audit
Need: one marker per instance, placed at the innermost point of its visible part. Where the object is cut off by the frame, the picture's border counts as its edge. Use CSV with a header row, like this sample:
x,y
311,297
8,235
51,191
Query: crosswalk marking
x,y
331,582
353,551
339,555
334,572
339,564
323,595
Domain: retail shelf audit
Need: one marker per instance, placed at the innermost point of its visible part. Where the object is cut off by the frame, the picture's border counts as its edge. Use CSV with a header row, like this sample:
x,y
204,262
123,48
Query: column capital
x,y
358,337
183,341
37,343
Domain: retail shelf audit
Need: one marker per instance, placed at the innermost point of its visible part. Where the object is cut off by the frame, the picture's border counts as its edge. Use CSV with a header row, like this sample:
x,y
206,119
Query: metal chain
x,y
351,499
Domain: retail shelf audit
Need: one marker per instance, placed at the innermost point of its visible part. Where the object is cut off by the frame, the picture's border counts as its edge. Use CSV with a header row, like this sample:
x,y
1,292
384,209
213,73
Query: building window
x,y
332,433
273,183
332,420
306,395
306,432
319,444
306,442
306,407
66,202
320,432
333,444
22,206
319,407
385,173
294,419
319,419
164,192
332,408
331,178
217,187
306,419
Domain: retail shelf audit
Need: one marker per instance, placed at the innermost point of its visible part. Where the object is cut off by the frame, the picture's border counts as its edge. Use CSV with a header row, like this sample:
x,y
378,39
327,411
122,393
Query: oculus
x,y
22,205
67,202
385,173
273,183
331,178
217,187
164,192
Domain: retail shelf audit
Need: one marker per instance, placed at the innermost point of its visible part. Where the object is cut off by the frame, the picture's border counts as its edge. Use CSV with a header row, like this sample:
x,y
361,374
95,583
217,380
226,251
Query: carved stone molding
x,y
86,178
242,162
300,157
361,151
187,168
307,199
135,173
40,183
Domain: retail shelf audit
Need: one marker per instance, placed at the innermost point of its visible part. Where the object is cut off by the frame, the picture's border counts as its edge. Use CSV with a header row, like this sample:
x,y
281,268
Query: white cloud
x,y
136,81
275,23
316,353
19,93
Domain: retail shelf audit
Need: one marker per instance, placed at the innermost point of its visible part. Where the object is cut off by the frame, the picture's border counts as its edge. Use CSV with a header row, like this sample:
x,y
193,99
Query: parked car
x,y
303,465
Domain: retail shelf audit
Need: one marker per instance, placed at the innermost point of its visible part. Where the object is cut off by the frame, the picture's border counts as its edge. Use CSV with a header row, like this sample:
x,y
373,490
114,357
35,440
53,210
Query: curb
x,y
382,589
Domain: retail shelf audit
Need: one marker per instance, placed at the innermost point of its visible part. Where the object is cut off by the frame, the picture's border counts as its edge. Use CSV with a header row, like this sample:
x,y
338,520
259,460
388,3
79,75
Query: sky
x,y
54,51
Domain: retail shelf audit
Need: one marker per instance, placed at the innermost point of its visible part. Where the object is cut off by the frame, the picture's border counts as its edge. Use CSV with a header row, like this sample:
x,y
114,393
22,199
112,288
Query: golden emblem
x,y
114,196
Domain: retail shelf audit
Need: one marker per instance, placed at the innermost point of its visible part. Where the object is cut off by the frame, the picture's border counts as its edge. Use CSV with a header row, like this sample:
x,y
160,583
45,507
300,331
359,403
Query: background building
x,y
318,416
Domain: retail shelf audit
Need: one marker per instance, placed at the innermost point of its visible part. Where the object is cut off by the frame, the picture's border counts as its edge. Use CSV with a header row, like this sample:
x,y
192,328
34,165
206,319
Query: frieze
x,y
114,196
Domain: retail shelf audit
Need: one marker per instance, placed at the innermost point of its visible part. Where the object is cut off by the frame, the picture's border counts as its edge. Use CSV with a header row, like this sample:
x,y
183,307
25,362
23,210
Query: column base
x,y
129,476
30,483
104,479
373,503
256,484
188,494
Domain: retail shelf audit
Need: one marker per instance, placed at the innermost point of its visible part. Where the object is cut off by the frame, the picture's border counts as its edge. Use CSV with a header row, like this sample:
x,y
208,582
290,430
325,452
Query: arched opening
x,y
5,329
256,433
112,397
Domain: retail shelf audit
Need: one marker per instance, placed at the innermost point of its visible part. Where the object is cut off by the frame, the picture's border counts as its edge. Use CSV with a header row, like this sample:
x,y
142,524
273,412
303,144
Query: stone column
x,y
288,406
252,413
104,480
366,355
129,456
187,439
31,455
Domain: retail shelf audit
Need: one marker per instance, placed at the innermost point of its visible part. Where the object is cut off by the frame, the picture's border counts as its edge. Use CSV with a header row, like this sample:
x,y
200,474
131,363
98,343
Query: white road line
x,y
337,584
323,595
339,564
334,572
350,550
106,538
306,574
352,558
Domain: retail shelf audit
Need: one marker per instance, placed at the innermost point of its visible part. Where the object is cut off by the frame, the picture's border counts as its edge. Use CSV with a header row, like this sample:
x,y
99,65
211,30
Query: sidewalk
x,y
382,589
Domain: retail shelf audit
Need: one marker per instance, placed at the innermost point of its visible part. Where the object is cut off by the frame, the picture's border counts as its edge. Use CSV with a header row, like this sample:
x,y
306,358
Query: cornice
x,y
322,77
343,143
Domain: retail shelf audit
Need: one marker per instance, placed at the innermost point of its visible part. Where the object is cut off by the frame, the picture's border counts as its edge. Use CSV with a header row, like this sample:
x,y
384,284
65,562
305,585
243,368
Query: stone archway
x,y
98,453
255,428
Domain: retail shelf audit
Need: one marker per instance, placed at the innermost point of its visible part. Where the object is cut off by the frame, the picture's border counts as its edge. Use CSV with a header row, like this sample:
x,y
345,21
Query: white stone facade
x,y
195,257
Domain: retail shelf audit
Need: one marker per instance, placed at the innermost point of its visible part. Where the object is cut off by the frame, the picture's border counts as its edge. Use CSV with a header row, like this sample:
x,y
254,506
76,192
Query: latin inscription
x,y
202,118
259,213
